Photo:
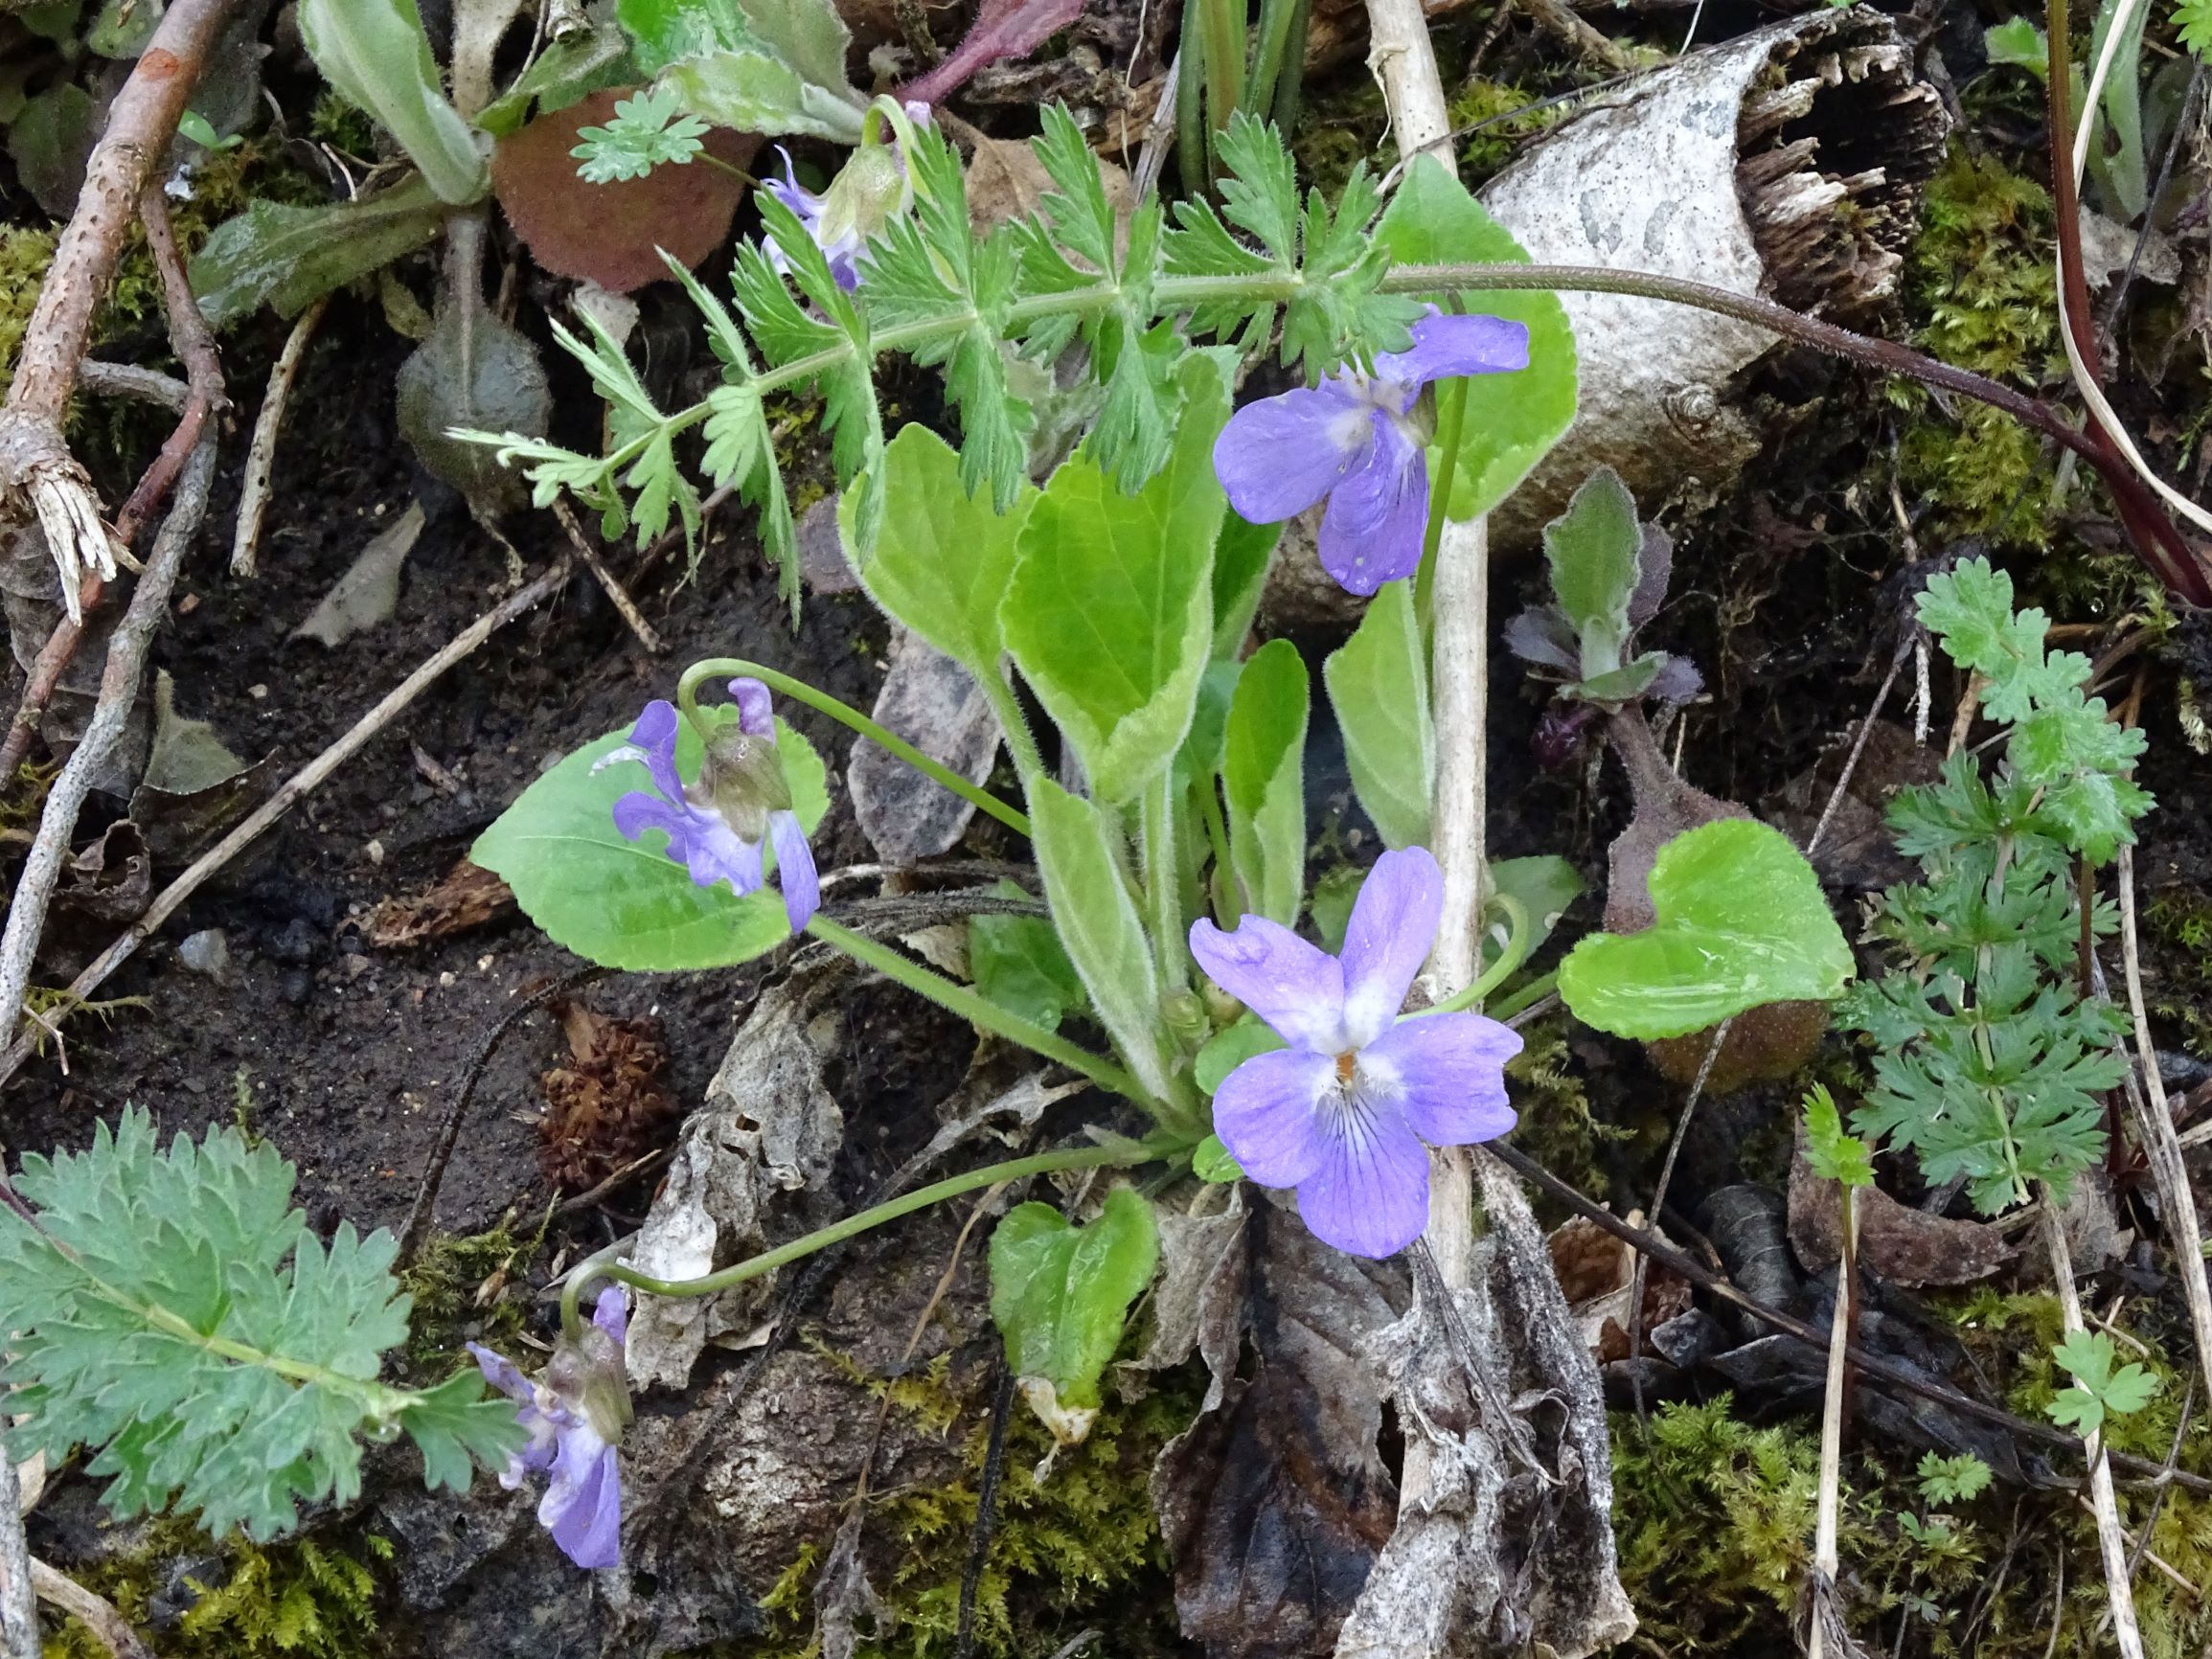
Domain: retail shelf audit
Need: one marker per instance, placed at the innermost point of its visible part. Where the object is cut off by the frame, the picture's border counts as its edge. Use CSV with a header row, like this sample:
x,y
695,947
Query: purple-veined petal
x,y
582,1507
1369,1197
655,734
1393,924
503,1373
612,1313
755,717
795,869
1297,987
803,202
1279,456
1446,1073
1377,512
637,811
1268,1114
1445,348
717,853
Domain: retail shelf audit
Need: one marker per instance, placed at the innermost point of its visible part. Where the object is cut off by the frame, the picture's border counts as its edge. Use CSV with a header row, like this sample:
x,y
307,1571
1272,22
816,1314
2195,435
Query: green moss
x,y
1485,100
1557,1127
304,1599
1979,280
457,1285
1079,1545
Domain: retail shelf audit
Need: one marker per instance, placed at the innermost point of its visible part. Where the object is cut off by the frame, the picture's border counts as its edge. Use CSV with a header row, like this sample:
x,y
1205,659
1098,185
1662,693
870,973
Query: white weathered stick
x,y
617,595
268,426
96,1613
2162,1144
2111,1540
19,1610
1827,1558
1404,62
301,782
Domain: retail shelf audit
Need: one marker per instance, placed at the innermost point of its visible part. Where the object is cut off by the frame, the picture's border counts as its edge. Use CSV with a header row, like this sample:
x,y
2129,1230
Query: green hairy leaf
x,y
172,1313
1593,550
1242,555
2100,1390
1019,963
1742,922
1231,1047
376,55
1078,856
625,903
1110,613
1262,774
286,257
1059,1294
1834,1156
1378,684
1214,1164
1512,420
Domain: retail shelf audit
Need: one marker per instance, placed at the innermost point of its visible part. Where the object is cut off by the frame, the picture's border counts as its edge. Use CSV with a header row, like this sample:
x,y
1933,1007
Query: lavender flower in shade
x,y
870,191
575,1414
1342,1112
841,247
716,827
1359,441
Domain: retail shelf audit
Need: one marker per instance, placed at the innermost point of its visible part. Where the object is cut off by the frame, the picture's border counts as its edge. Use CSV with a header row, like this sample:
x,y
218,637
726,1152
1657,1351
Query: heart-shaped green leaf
x,y
627,904
1742,922
1060,1293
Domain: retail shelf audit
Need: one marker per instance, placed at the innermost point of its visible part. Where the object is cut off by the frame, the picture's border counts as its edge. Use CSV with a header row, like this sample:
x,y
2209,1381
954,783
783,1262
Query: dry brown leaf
x,y
1897,1243
468,896
1597,1273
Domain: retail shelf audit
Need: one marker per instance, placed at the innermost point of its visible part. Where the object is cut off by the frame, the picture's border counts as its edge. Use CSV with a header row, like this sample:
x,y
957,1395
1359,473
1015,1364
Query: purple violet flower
x,y
717,825
575,1414
842,250
871,190
1342,1113
1356,439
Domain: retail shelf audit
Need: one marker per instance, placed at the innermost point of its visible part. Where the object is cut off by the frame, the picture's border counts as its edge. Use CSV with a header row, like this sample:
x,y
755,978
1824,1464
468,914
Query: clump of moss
x,y
1507,122
1558,1128
299,1600
1979,279
457,1283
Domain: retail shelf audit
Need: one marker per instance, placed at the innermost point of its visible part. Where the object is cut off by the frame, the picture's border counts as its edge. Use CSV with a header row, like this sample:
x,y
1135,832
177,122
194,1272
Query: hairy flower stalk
x,y
1342,1113
1359,441
574,1415
718,826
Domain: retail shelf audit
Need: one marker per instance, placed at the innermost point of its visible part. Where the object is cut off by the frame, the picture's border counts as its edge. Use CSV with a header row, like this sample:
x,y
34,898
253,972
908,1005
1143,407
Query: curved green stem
x,y
1122,1154
845,714
1451,422
977,1010
1520,940
1527,996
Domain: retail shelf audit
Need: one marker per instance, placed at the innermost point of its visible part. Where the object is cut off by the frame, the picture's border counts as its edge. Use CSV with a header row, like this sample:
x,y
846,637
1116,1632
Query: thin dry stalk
x,y
195,348
96,1613
299,784
2162,1144
2111,1538
18,1609
617,595
1827,1560
268,424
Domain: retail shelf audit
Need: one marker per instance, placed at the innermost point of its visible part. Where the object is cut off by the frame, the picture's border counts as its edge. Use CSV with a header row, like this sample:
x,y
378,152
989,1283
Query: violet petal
x,y
582,1507
656,733
612,1313
1370,1195
756,718
1377,512
1297,987
503,1373
1392,926
1268,1114
1446,1073
1279,456
1445,348
795,869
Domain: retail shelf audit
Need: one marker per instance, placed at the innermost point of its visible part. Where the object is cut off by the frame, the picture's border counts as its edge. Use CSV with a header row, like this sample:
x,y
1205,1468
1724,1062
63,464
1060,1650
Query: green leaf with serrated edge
x,y
2019,44
1231,1047
376,55
2100,1390
1952,1479
287,257
1511,420
169,1312
1059,1293
1742,922
1378,684
1019,963
941,563
625,904
1263,773
1593,549
755,91
1834,1156
1241,553
1214,1163
1087,886
1110,613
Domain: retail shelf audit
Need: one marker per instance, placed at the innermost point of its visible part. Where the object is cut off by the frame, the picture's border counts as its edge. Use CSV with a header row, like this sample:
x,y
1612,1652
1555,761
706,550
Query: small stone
x,y
376,852
355,964
446,980
206,953
259,694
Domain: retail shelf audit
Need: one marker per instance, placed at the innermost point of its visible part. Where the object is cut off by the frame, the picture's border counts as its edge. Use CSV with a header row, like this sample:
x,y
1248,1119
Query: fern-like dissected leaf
x,y
171,1309
2193,23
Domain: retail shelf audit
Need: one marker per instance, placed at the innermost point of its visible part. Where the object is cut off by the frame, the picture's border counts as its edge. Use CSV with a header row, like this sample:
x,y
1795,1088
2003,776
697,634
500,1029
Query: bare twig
x,y
196,347
1822,1612
35,459
1868,1365
1859,743
19,1610
268,424
96,1613
2162,1144
299,784
2111,1541
616,593
1641,1274
119,682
